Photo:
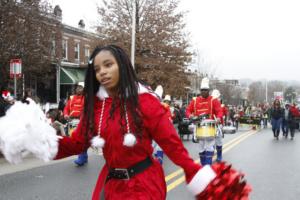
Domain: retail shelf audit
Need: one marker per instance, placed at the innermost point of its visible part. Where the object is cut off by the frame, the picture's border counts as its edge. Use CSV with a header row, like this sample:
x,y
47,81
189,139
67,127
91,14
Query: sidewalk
x,y
31,162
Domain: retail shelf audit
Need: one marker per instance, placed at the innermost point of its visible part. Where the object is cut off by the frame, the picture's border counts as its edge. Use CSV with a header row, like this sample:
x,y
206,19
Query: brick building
x,y
77,45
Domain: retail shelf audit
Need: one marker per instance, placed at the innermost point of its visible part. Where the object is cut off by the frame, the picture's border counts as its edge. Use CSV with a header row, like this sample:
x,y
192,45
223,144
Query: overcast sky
x,y
257,39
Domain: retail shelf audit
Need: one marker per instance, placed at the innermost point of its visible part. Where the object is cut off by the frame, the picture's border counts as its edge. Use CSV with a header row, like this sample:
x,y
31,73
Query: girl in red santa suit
x,y
122,117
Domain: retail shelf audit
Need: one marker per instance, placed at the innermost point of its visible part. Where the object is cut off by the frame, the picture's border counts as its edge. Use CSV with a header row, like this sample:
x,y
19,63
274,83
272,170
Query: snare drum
x,y
72,126
206,129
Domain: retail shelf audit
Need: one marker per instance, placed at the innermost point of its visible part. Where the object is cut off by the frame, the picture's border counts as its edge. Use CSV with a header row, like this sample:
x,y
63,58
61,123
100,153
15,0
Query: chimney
x,y
57,11
81,24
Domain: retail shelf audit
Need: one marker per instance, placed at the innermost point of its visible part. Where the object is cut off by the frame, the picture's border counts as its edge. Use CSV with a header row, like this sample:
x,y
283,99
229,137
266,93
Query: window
x,y
86,54
77,51
53,46
65,49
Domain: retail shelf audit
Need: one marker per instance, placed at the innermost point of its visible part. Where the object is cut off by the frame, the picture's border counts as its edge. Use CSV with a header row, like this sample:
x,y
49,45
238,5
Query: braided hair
x,y
127,91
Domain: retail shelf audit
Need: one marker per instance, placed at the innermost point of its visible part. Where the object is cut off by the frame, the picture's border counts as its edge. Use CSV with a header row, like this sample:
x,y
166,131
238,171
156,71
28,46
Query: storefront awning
x,y
71,75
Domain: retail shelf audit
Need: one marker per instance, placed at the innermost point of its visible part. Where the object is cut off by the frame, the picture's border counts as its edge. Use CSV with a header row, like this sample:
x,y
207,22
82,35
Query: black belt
x,y
127,173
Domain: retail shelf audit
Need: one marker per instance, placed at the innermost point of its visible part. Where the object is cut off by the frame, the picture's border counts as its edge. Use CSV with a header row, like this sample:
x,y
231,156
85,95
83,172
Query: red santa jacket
x,y
200,105
167,106
294,111
74,106
149,184
224,112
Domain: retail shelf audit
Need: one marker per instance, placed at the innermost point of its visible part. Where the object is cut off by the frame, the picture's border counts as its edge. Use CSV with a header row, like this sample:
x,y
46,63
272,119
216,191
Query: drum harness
x,y
202,117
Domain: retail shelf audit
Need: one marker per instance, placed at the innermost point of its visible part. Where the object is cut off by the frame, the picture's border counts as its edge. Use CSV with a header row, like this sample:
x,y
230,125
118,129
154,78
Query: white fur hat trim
x,y
98,142
129,140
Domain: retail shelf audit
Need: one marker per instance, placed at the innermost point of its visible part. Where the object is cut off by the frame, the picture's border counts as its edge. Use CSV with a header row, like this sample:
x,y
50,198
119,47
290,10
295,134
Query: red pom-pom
x,y
229,184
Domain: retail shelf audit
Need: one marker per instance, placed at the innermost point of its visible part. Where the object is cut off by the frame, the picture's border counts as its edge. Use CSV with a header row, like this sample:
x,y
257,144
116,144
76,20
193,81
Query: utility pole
x,y
58,82
133,32
266,91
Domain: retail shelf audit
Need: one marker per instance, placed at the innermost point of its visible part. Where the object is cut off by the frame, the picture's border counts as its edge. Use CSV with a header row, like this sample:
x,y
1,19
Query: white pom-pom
x,y
98,142
129,140
24,130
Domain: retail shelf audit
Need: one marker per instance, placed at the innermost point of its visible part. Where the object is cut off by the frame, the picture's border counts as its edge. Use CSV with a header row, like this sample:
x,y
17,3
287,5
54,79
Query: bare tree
x,y
30,32
256,92
161,44
274,86
290,94
230,94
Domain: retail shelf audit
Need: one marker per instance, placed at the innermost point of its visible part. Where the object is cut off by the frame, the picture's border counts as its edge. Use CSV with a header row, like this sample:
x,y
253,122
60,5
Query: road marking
x,y
229,146
237,142
179,171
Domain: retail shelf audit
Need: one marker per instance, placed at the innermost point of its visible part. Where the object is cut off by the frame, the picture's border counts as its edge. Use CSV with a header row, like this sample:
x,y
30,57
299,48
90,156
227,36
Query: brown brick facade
x,y
86,40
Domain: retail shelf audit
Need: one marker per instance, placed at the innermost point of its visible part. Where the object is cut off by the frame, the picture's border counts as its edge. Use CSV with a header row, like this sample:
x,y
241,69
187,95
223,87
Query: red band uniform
x,y
74,106
212,107
73,110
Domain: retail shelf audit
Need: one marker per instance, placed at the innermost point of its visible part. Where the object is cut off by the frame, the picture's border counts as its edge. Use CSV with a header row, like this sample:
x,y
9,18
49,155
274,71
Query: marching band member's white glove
x,y
24,130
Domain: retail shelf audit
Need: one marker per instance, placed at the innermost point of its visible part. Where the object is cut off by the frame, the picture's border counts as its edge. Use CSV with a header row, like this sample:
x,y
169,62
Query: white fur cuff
x,y
201,179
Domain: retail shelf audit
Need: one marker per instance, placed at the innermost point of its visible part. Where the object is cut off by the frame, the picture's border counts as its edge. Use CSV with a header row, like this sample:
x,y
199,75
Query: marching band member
x,y
159,154
219,136
73,110
205,104
122,117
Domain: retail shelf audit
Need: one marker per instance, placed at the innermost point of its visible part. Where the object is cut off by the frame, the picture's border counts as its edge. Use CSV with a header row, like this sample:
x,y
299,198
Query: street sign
x,y
278,95
15,69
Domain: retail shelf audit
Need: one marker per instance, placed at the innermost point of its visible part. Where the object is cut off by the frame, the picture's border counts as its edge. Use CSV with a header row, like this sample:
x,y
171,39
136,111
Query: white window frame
x,y
53,48
77,47
87,53
65,48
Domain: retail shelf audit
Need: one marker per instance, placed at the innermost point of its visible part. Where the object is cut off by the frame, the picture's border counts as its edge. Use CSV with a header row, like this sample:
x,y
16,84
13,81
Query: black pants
x,y
285,126
292,126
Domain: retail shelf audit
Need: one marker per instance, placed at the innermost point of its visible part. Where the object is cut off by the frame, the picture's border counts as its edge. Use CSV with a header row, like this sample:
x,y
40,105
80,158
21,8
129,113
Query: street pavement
x,y
271,168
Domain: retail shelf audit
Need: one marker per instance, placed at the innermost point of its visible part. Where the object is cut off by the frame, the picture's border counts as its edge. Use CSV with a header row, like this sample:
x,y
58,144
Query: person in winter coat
x,y
293,115
276,114
28,95
122,117
285,120
177,118
3,103
6,101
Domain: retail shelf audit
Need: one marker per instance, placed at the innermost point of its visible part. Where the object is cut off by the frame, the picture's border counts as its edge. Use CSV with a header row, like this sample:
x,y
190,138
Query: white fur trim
x,y
159,91
98,142
201,179
142,89
102,93
5,94
129,140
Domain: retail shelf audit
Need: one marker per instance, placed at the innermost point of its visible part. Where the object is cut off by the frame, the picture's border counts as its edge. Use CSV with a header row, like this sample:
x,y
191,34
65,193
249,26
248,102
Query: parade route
x,y
271,168
226,147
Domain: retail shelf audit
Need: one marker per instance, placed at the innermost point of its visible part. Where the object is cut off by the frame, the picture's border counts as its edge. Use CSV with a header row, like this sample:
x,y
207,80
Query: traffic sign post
x,y
15,72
